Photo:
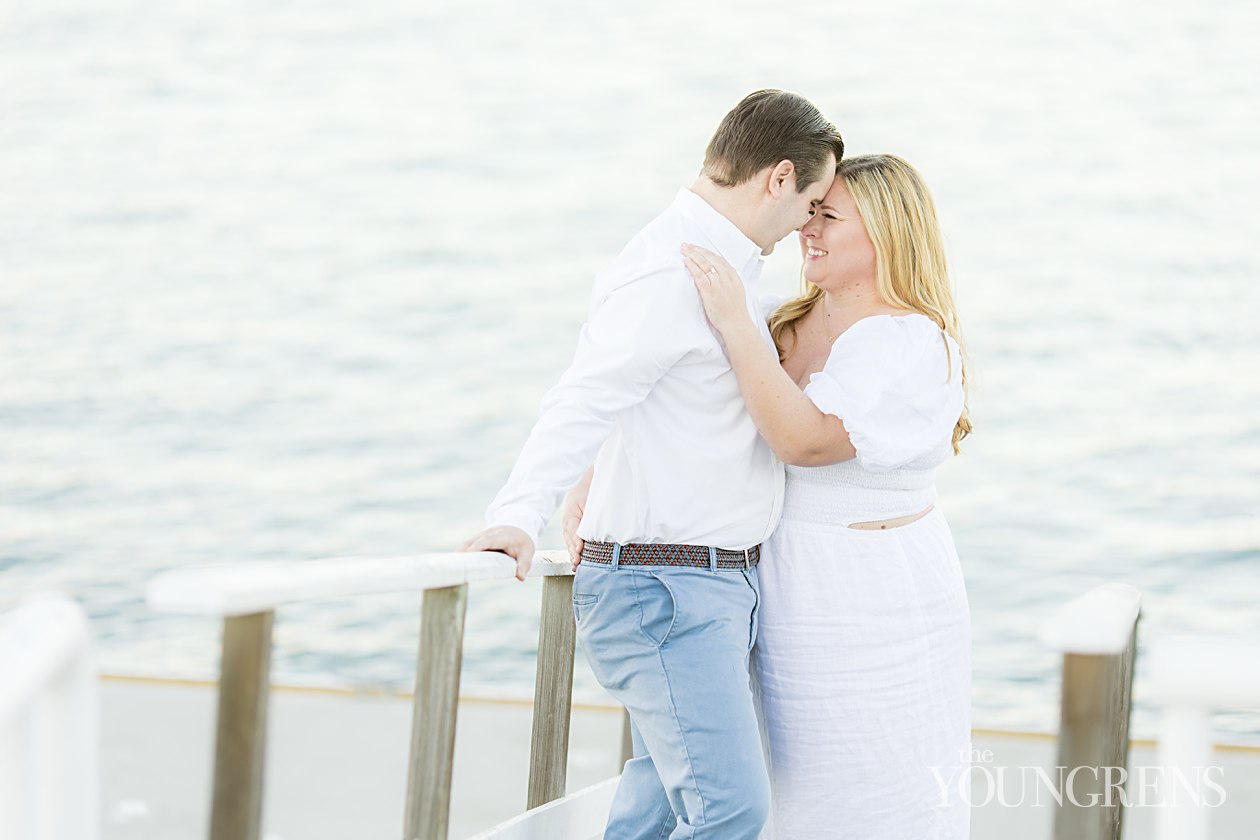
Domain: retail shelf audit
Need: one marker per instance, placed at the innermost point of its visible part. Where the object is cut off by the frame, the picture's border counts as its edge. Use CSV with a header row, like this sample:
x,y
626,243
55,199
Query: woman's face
x,y
837,251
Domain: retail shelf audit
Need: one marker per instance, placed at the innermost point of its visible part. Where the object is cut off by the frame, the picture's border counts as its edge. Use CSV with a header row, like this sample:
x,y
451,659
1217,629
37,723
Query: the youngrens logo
x,y
985,782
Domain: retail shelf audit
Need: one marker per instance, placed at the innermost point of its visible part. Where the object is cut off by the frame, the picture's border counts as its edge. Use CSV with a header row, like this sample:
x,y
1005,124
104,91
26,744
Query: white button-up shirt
x,y
651,399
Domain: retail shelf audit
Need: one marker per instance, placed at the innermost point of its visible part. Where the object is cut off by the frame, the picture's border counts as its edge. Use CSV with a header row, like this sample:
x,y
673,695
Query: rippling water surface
x,y
284,280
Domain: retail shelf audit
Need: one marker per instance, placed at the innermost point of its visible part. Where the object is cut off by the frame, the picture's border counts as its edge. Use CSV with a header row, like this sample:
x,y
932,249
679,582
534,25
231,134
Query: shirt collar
x,y
724,237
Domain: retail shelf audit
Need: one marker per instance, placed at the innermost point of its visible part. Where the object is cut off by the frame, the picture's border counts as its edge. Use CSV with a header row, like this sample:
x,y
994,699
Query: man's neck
x,y
734,203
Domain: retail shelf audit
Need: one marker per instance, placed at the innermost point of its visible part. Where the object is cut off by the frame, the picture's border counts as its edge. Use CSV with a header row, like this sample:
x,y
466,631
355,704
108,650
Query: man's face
x,y
795,206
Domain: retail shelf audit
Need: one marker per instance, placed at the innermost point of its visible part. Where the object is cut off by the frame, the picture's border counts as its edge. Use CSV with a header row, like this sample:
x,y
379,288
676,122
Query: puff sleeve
x,y
896,382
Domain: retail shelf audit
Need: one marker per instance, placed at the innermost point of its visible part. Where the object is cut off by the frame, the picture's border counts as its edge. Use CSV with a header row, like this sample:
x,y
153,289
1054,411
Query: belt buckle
x,y
747,561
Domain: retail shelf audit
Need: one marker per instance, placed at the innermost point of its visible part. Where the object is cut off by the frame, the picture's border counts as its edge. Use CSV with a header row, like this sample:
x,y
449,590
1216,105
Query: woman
x,y
863,651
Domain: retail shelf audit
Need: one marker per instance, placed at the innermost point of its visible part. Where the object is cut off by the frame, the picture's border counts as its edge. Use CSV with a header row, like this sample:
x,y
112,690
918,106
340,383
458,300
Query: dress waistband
x,y
821,504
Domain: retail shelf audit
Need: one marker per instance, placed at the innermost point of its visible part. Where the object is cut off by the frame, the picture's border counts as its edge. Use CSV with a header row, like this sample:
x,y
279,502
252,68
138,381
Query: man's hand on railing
x,y
508,539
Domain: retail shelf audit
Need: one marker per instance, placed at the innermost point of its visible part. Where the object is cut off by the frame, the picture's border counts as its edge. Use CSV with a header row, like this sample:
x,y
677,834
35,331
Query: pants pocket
x,y
750,577
582,604
658,608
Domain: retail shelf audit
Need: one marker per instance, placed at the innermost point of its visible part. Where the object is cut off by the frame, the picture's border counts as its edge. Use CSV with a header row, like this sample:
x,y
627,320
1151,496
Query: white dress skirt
x,y
863,658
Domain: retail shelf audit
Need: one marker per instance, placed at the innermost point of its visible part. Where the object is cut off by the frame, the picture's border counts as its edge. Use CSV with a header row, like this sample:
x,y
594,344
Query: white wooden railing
x,y
246,598
1097,636
48,723
1191,678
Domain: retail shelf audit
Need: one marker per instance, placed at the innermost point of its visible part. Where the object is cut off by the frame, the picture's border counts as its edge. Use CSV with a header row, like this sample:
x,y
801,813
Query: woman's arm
x,y
796,430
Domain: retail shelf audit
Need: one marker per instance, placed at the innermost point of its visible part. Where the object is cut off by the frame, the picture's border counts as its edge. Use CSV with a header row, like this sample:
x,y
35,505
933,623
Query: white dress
x,y
863,657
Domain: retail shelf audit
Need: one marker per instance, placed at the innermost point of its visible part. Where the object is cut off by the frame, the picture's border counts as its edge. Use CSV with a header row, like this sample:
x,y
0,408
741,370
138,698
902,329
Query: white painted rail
x,y
48,723
242,589
1099,622
1191,678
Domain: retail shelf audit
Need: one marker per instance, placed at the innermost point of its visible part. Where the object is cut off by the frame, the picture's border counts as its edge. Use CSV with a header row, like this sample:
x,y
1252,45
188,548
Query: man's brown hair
x,y
767,127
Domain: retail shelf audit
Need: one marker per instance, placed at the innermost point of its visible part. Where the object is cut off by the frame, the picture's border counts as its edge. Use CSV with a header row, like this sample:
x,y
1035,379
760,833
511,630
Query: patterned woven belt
x,y
654,554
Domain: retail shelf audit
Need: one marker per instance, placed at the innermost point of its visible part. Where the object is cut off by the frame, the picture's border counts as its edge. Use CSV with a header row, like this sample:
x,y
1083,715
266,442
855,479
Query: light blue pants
x,y
671,644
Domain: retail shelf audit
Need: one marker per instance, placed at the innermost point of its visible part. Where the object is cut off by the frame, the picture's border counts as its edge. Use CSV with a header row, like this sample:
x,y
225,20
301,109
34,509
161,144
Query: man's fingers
x,y
510,541
574,543
523,561
482,543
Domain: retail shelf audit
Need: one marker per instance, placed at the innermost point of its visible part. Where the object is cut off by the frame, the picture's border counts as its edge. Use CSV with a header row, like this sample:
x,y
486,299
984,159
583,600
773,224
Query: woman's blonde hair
x,y
900,219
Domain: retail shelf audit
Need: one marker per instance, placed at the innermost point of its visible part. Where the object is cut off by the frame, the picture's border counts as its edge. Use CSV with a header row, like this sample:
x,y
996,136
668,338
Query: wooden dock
x,y
337,766
160,733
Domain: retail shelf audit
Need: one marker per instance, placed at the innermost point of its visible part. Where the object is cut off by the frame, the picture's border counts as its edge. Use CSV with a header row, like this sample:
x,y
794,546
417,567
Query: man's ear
x,y
782,178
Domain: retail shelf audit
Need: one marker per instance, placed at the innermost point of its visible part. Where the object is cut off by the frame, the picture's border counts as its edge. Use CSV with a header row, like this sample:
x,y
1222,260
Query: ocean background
x,y
288,280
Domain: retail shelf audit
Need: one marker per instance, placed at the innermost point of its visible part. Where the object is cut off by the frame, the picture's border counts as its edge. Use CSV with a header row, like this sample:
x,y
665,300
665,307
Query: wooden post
x,y
433,713
241,740
1094,737
553,693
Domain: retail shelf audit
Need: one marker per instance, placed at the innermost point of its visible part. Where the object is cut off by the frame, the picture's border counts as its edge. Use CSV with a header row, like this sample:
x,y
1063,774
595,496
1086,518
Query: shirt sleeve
x,y
896,382
636,332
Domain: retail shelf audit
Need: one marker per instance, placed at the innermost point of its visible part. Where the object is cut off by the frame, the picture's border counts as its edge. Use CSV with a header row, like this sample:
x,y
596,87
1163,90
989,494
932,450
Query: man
x,y
684,491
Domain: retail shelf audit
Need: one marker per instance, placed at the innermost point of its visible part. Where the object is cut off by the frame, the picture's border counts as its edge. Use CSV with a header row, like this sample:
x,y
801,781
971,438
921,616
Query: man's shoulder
x,y
651,261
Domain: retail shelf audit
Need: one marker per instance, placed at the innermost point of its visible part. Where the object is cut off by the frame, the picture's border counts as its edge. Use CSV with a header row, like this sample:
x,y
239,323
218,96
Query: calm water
x,y
288,280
